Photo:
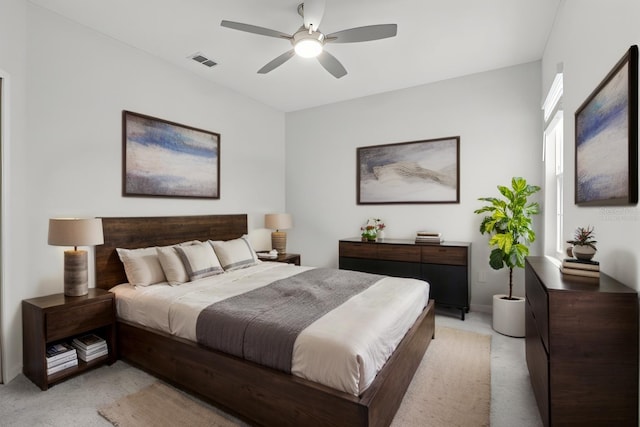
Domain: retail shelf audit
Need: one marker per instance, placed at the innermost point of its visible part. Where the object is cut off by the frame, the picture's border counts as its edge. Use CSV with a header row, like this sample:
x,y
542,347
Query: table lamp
x,y
278,221
75,232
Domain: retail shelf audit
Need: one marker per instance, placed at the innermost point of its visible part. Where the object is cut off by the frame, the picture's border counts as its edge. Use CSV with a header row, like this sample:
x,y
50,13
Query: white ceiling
x,y
437,40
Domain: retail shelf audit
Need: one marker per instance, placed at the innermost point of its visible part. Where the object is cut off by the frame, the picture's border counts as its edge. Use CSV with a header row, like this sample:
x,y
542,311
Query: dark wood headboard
x,y
141,232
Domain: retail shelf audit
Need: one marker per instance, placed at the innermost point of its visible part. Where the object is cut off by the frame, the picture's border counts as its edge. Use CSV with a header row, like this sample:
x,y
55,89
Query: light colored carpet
x,y
452,387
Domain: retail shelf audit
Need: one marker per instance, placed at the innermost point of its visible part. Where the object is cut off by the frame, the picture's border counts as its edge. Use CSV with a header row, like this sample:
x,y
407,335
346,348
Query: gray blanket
x,y
262,325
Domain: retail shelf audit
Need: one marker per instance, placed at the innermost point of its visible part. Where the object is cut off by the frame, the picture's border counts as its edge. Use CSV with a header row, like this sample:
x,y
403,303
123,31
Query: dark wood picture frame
x,y
606,132
166,159
426,171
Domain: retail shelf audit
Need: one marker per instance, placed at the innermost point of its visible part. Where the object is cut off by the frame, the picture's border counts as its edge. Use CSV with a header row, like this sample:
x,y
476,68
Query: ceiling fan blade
x,y
275,63
255,29
331,64
313,10
363,34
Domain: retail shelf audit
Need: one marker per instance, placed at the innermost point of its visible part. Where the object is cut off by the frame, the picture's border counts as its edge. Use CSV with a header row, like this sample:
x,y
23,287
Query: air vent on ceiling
x,y
199,57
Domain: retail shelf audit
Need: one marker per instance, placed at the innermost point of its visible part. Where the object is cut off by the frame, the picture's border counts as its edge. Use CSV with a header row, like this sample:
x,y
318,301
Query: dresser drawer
x,y
538,364
75,320
444,255
358,250
399,253
537,302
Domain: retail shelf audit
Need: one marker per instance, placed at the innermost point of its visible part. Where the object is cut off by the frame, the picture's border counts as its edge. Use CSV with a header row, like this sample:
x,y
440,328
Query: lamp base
x,y
279,241
76,276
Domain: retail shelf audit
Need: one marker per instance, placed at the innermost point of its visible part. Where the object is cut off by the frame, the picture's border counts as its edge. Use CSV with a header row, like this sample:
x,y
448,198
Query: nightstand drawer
x,y
75,320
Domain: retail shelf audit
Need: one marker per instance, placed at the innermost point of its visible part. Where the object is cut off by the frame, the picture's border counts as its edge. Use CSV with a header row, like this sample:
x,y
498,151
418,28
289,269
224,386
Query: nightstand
x,y
59,318
288,258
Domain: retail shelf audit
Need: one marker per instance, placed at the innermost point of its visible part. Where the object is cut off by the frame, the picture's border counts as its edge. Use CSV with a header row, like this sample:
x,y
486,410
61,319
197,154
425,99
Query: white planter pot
x,y
583,252
508,316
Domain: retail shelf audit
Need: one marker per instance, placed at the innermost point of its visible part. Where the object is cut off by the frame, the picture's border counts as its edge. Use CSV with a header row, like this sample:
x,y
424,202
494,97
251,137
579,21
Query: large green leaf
x,y
495,259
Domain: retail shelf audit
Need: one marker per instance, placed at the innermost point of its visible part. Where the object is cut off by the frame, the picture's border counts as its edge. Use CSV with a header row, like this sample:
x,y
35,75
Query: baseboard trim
x,y
482,308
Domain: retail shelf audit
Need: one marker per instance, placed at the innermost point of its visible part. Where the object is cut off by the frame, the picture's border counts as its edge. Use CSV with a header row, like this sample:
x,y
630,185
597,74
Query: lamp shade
x,y
75,231
278,221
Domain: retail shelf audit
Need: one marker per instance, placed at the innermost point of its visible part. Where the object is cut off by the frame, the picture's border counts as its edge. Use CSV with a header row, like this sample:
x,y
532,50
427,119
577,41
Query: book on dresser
x,y
578,267
90,347
429,237
581,264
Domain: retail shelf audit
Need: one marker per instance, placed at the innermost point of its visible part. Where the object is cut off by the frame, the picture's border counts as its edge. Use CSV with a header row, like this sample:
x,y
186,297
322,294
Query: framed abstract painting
x,y
409,172
606,130
166,159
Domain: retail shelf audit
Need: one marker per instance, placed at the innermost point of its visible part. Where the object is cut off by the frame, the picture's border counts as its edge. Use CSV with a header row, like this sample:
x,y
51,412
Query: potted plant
x,y
372,230
584,243
368,233
508,223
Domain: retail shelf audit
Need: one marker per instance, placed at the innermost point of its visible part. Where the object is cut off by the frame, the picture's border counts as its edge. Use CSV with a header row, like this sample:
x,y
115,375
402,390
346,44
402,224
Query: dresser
x,y
581,347
444,266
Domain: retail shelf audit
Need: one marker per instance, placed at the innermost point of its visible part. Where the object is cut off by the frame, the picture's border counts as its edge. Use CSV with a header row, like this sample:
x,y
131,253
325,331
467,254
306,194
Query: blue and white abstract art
x,y
167,159
604,141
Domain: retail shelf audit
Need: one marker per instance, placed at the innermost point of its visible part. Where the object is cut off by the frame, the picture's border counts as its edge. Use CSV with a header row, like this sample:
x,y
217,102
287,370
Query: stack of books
x,y
579,267
428,237
60,357
90,347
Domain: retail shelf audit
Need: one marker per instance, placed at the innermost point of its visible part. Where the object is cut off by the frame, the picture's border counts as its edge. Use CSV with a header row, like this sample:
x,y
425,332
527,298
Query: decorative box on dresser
x,y
59,318
581,347
444,266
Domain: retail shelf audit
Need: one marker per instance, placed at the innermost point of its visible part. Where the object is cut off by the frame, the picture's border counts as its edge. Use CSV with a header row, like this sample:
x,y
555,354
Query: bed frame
x,y
259,395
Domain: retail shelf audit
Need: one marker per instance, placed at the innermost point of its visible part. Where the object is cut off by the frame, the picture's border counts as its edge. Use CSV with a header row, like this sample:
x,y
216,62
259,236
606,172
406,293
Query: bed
x,y
260,395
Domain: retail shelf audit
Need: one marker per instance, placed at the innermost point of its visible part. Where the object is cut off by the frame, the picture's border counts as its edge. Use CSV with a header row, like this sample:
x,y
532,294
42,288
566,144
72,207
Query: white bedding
x,y
344,349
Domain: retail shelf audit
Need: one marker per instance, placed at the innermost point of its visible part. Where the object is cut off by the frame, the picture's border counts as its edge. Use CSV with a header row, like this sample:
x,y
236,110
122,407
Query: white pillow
x,y
141,266
235,254
172,263
172,266
199,260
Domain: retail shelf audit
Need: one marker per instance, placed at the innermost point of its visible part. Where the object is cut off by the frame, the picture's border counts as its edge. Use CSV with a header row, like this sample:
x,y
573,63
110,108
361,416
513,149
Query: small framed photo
x,y
606,129
166,159
409,172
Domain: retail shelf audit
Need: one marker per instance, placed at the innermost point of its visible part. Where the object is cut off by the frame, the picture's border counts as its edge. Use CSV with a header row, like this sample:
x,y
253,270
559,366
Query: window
x,y
554,169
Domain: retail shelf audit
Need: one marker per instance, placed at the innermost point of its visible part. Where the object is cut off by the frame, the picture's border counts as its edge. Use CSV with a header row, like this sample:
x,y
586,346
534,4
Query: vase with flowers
x,y
372,230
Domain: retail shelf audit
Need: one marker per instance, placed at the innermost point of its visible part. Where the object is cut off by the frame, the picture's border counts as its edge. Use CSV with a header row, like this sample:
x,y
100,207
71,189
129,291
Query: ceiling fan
x,y
308,42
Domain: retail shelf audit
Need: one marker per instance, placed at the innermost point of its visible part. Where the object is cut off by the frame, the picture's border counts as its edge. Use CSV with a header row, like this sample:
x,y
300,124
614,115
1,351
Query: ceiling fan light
x,y
308,48
308,43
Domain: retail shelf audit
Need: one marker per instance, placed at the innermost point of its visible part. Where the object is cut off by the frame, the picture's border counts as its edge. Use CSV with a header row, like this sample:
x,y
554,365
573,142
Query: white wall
x,y
497,116
589,37
79,81
15,225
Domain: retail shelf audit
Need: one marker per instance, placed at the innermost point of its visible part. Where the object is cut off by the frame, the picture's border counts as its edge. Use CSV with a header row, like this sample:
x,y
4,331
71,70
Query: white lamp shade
x,y
75,231
278,221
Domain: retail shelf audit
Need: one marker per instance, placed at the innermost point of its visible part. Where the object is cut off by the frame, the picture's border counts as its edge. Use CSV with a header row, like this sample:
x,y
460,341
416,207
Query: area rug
x,y
452,387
